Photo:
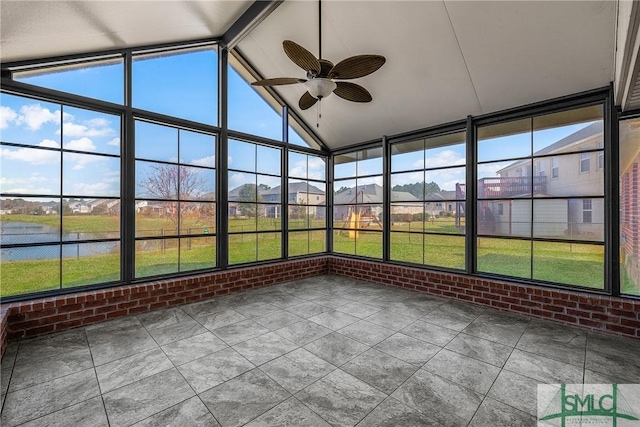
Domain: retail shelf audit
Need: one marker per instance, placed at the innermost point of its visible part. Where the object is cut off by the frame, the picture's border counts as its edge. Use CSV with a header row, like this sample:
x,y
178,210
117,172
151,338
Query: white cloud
x,y
236,180
205,161
74,129
229,159
443,158
34,157
82,144
114,141
100,188
98,122
49,143
35,115
7,116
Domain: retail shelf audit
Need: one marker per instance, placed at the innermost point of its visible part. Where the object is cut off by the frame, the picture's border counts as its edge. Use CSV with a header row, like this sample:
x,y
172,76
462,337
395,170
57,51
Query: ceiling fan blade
x,y
352,92
356,66
278,81
325,67
301,56
307,101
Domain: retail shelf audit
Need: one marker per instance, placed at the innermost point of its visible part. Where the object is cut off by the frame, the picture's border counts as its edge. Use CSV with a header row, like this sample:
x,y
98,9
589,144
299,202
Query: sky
x,y
185,86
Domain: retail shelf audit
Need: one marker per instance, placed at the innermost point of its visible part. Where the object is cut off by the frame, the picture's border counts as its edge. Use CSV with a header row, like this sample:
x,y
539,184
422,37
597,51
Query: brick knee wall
x,y
41,316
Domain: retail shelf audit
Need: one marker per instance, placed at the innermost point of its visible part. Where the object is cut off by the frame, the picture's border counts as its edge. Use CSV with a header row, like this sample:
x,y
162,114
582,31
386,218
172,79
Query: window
x,y
600,154
59,196
307,216
537,228
254,202
630,206
428,194
357,198
175,209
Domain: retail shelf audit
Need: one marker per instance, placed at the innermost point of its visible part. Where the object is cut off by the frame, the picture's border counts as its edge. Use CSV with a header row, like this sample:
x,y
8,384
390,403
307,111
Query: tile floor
x,y
316,352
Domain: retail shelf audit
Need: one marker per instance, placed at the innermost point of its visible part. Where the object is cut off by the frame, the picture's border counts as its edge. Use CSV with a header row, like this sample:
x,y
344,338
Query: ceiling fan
x,y
321,73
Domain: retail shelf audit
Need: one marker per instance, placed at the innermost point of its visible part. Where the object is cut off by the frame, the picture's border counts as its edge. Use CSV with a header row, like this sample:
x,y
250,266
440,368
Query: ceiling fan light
x,y
320,88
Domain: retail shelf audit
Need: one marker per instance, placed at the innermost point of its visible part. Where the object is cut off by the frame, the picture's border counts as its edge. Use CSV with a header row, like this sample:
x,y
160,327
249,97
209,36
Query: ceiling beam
x,y
253,16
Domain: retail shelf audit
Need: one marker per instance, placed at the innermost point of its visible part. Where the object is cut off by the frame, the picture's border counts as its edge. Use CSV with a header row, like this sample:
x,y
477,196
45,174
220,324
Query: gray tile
x,y
503,328
214,369
542,368
392,413
303,332
163,318
516,390
453,315
613,344
177,332
135,402
188,349
592,377
5,376
52,345
190,413
465,371
307,309
207,307
10,353
336,348
493,413
89,413
555,341
332,302
334,320
107,346
390,320
34,402
340,398
27,373
417,307
130,369
359,310
447,403
409,349
255,309
277,319
240,331
431,333
616,364
116,325
264,348
481,349
366,332
220,318
296,370
244,398
380,370
290,413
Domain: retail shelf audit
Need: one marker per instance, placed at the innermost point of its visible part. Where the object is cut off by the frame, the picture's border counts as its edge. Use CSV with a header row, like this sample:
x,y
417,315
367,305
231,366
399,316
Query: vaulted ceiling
x,y
445,59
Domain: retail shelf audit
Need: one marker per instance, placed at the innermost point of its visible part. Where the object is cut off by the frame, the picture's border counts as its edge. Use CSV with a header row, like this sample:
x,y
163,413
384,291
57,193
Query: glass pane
x,y
178,83
298,243
407,216
243,217
505,217
298,192
370,162
505,140
242,248
569,175
569,263
297,165
156,219
444,251
90,175
568,130
407,186
90,263
30,170
299,217
102,79
509,179
29,269
269,217
407,156
446,150
28,121
447,217
317,193
197,218
298,136
86,130
269,185
155,257
252,109
156,142
156,180
344,165
197,253
407,247
369,244
447,184
30,220
197,149
197,183
91,219
317,168
575,219
344,192
502,256
317,241
242,187
630,206
242,156
344,241
269,160
269,246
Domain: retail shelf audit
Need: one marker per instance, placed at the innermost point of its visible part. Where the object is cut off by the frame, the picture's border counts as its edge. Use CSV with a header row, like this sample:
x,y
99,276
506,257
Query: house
x,y
370,197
